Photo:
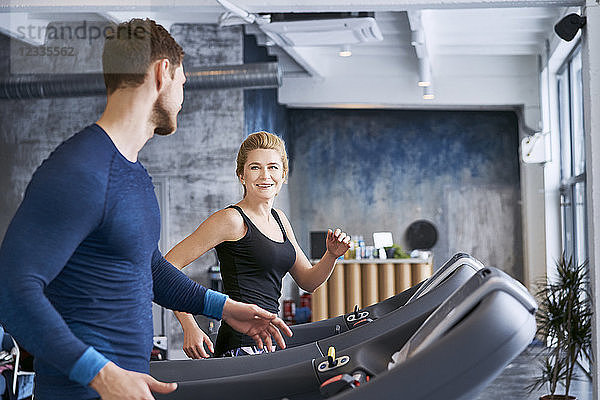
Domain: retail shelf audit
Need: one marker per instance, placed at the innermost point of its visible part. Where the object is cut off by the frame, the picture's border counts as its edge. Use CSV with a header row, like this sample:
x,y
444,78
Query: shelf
x,y
383,261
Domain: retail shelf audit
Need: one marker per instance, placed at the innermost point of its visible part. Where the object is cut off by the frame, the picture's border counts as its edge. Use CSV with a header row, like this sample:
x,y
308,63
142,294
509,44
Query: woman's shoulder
x,y
229,216
230,221
282,216
280,213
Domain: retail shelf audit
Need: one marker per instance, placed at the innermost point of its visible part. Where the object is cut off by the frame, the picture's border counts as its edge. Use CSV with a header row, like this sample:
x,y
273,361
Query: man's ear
x,y
161,72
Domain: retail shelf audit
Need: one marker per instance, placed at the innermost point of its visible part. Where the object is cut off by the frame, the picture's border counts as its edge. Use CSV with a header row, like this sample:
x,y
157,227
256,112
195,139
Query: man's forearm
x,y
174,290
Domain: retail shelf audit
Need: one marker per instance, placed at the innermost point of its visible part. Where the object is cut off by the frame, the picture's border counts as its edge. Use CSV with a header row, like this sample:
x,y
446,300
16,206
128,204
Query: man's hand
x,y
113,382
255,322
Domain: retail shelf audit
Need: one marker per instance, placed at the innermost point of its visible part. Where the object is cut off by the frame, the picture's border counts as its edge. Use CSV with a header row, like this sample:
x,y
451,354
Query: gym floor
x,y
512,383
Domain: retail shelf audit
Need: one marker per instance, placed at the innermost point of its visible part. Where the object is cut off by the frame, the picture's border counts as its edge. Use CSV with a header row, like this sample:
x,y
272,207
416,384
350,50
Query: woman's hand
x,y
194,340
337,242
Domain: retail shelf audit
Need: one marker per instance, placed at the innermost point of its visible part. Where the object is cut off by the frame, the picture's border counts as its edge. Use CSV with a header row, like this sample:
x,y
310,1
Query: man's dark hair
x,y
131,47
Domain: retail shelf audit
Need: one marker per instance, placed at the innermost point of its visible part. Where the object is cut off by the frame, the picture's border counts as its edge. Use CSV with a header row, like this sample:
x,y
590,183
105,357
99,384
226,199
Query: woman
x,y
255,244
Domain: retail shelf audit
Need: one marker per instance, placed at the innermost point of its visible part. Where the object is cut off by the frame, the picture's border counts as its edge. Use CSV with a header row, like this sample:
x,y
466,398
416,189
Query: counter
x,y
365,282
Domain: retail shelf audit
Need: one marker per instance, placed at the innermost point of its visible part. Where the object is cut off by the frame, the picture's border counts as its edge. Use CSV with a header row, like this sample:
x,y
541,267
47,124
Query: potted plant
x,y
395,251
564,319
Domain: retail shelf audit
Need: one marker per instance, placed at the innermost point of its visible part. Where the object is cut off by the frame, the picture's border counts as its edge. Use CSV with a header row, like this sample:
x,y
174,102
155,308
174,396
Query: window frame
x,y
573,212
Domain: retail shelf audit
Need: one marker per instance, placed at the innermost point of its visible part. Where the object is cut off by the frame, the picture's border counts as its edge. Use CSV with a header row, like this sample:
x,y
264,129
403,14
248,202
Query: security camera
x,y
567,27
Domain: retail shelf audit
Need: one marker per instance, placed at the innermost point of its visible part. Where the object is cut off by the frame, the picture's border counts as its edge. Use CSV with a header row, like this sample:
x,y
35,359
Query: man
x,y
80,259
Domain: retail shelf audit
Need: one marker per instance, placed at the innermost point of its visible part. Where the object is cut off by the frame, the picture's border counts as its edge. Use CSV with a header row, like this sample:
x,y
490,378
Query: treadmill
x,y
404,321
462,347
455,353
313,331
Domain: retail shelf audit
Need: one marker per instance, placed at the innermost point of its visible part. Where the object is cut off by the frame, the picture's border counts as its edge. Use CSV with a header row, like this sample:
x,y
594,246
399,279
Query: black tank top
x,y
252,269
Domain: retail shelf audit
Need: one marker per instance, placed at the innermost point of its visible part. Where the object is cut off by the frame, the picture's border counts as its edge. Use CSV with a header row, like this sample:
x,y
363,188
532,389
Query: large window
x,y
572,157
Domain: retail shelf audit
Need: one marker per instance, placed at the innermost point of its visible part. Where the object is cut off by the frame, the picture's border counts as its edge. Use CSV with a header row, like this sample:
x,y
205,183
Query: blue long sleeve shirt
x,y
80,267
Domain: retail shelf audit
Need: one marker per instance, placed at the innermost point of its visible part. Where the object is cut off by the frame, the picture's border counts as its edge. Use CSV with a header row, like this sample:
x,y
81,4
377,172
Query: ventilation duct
x,y
245,76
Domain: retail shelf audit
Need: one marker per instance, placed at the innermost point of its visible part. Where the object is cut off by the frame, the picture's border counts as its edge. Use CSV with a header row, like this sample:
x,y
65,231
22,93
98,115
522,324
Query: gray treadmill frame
x,y
190,370
496,326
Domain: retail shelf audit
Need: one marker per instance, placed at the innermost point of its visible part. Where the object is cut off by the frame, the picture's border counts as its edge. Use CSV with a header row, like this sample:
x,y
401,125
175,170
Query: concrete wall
x,y
31,129
380,170
198,161
195,166
466,81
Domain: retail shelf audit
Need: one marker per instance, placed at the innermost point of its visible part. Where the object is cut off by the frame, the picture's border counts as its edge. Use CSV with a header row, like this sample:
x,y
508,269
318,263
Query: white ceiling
x,y
488,44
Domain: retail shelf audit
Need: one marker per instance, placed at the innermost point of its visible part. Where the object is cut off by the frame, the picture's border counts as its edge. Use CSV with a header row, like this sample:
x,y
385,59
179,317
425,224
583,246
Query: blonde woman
x,y
255,245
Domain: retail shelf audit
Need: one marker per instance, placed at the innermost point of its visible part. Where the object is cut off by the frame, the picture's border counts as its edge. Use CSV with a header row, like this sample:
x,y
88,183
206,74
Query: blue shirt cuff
x,y
88,366
214,303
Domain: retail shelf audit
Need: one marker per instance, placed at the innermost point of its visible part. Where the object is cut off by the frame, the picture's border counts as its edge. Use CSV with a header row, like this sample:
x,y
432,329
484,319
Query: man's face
x,y
168,104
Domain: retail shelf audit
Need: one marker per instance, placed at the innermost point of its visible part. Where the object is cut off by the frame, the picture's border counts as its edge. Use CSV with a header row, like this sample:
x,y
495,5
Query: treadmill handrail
x,y
447,315
445,271
403,322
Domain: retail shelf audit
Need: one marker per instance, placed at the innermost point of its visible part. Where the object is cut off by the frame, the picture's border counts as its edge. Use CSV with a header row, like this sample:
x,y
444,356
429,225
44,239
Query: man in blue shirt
x,y
80,259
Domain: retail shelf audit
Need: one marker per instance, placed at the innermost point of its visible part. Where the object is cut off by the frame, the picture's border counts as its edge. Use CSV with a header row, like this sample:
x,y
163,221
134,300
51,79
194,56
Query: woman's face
x,y
263,173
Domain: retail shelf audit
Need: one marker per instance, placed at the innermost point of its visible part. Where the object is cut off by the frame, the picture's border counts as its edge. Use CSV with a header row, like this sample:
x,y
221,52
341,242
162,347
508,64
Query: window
x,y
572,157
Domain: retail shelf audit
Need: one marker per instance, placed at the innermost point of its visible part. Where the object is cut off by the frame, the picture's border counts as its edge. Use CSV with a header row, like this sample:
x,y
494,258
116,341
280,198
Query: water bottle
x,y
361,245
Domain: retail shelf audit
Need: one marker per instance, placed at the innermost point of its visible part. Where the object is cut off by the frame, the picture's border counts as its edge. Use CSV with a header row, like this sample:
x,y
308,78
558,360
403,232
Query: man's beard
x,y
161,119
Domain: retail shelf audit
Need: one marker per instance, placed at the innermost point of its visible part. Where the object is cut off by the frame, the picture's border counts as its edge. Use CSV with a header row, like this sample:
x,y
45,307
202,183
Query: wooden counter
x,y
365,282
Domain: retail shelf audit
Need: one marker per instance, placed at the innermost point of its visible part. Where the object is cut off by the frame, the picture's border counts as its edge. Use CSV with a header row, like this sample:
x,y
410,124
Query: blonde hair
x,y
260,140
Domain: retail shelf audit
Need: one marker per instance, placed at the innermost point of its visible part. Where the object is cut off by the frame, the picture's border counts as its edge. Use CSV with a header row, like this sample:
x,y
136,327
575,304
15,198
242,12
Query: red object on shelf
x,y
305,300
289,311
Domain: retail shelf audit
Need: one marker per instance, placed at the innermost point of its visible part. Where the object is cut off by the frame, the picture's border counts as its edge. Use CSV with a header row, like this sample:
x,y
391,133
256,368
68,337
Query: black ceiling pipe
x,y
245,76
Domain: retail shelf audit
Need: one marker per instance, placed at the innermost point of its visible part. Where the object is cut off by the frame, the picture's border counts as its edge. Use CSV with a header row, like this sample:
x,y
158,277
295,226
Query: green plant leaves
x,y
564,320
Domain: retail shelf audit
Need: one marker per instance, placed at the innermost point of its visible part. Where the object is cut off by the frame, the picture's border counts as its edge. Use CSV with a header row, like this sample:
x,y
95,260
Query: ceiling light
x,y
424,72
345,51
428,93
417,38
